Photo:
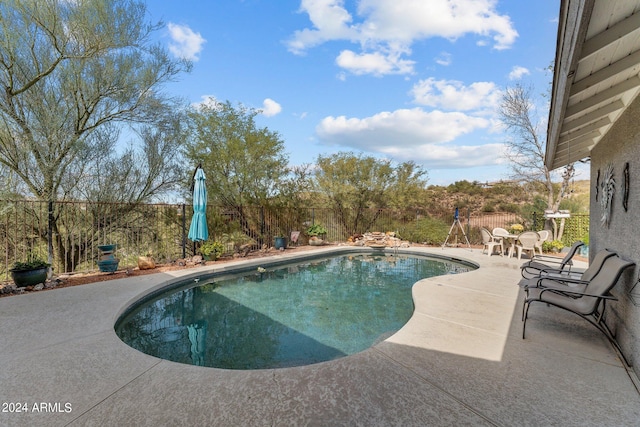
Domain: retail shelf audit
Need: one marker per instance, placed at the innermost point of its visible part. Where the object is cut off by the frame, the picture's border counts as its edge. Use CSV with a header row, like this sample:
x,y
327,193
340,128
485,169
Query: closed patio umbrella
x,y
198,230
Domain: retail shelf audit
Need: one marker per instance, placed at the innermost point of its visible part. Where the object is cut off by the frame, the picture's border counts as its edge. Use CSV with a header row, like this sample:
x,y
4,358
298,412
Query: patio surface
x,y
460,360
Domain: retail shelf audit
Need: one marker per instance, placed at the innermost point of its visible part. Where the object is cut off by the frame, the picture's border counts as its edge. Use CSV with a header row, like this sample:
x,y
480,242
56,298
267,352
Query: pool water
x,y
289,316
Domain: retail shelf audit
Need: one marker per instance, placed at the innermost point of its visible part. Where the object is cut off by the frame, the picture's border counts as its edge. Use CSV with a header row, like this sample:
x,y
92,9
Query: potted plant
x,y
29,273
279,242
316,233
516,229
211,250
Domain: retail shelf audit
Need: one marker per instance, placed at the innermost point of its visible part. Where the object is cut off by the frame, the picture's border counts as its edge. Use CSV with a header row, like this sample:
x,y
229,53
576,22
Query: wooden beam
x,y
610,35
576,153
602,96
570,134
611,70
594,115
574,156
584,139
573,24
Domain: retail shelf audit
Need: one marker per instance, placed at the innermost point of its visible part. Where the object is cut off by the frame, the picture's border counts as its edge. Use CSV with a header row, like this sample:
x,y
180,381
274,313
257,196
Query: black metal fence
x,y
72,231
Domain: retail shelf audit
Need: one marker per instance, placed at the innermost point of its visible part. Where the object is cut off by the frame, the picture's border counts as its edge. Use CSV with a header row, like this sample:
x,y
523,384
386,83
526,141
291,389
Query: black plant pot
x,y
23,278
280,242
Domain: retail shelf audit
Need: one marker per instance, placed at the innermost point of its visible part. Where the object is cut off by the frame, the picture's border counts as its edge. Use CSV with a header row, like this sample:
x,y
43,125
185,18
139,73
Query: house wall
x,y
619,146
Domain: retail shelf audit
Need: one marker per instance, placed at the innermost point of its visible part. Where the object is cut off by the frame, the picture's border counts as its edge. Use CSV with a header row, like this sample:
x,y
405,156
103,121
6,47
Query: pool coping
x,y
459,360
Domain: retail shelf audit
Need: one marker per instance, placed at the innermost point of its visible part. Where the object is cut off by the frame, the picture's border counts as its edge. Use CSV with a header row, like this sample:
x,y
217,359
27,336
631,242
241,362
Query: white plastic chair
x,y
490,243
503,234
544,236
527,243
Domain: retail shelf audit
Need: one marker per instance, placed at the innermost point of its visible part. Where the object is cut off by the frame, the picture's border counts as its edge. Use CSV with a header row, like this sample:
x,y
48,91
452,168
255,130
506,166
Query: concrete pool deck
x,y
460,360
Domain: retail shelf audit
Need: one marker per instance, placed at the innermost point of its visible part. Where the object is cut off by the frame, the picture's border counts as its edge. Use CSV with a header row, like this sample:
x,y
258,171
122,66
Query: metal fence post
x,y
468,221
184,233
50,234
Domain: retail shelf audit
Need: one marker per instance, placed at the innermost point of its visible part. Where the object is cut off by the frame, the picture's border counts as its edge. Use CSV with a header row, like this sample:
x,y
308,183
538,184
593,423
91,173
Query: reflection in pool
x,y
290,316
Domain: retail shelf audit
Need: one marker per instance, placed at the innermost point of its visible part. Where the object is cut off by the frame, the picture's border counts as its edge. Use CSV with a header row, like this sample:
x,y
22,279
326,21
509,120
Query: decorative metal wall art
x,y
625,187
597,184
608,188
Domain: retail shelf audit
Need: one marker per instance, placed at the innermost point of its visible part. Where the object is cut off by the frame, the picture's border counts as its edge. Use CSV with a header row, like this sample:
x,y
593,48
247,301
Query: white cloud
x,y
185,43
454,95
330,21
376,63
410,134
517,72
270,108
444,59
452,156
389,28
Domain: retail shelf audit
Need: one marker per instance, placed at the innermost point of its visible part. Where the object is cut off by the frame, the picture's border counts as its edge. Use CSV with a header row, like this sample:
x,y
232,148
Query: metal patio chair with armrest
x,y
534,266
588,303
554,278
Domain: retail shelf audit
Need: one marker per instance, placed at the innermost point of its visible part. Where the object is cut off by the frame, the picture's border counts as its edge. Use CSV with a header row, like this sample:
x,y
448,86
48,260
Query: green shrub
x,y
585,239
316,230
212,249
552,246
489,207
32,263
509,207
430,231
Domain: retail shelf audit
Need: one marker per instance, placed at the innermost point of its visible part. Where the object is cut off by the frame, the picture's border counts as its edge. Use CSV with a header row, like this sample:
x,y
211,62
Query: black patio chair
x,y
589,303
540,263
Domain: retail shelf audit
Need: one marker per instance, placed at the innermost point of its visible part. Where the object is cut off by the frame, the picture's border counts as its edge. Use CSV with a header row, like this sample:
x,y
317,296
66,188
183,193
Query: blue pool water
x,y
289,316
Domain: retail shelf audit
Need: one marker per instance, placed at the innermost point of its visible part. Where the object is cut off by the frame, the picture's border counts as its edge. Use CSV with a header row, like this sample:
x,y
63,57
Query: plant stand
x,y
108,263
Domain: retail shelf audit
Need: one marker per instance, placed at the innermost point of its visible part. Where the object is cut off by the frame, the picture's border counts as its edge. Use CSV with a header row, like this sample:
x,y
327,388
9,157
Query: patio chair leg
x,y
524,319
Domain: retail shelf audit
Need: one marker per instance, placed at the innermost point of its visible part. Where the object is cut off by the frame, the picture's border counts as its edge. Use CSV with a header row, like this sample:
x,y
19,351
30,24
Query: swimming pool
x,y
283,316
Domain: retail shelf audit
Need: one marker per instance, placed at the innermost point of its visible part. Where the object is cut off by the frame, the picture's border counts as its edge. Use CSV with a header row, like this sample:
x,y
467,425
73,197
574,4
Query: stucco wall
x,y
619,146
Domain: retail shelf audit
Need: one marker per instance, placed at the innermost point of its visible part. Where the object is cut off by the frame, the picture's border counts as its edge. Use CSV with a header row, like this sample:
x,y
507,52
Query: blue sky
x,y
406,80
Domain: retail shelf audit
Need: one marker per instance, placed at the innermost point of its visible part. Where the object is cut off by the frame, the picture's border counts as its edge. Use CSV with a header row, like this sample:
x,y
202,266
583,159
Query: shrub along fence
x,y
71,231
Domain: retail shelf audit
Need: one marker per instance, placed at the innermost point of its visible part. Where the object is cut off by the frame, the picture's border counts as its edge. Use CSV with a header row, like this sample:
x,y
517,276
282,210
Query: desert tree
x,y
246,165
354,185
70,73
526,148
73,76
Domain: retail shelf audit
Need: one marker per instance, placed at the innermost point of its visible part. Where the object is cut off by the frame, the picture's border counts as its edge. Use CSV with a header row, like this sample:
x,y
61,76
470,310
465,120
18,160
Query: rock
x,y
244,249
38,287
146,263
7,288
378,239
197,259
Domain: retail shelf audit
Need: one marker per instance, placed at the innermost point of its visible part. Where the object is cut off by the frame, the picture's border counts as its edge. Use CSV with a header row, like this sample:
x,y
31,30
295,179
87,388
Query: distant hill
x,y
501,196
